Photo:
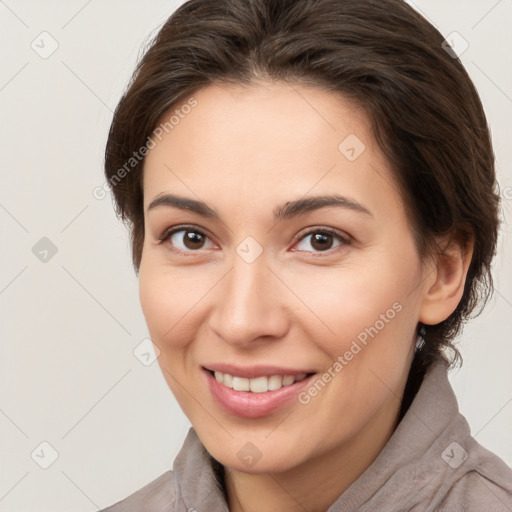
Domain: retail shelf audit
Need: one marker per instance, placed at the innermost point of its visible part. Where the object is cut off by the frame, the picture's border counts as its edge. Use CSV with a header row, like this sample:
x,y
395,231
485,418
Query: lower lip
x,y
253,405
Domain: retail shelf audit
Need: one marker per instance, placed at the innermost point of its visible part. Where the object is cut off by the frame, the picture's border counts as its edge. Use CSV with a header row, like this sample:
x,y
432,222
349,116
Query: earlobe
x,y
445,287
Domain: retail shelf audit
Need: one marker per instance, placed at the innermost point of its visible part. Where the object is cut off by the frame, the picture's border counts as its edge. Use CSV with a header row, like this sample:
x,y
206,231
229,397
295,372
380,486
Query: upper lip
x,y
251,372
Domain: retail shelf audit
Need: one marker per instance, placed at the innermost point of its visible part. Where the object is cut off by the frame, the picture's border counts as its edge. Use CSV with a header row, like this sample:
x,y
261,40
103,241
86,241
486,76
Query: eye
x,y
185,239
189,239
322,239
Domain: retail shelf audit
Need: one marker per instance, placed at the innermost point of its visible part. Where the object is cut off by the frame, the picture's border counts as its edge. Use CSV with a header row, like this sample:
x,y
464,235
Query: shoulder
x,y
156,496
477,493
487,485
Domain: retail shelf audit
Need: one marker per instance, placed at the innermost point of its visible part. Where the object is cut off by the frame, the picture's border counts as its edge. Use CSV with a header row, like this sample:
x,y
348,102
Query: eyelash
x,y
344,239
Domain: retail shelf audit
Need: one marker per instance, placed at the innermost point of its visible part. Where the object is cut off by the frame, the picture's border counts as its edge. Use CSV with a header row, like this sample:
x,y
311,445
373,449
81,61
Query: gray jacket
x,y
430,463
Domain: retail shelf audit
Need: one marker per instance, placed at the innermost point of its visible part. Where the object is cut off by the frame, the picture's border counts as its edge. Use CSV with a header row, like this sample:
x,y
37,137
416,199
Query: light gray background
x,y
69,325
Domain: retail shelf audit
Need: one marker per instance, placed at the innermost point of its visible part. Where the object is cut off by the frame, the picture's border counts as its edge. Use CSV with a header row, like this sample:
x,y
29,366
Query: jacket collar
x,y
195,482
403,470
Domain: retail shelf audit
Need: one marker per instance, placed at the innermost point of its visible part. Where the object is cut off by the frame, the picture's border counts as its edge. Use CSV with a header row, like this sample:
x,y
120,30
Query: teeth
x,y
288,379
259,384
227,380
241,384
275,382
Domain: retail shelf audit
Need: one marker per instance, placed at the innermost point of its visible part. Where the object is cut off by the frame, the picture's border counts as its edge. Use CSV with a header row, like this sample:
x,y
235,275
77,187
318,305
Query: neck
x,y
315,484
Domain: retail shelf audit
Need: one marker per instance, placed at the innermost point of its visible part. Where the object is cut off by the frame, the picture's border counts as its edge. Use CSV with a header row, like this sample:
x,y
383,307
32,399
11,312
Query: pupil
x,y
193,238
323,241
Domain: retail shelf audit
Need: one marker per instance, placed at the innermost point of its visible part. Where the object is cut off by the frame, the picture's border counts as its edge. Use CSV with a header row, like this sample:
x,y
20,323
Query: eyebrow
x,y
283,212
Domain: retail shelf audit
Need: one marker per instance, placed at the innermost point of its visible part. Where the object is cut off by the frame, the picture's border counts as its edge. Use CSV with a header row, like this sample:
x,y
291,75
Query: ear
x,y
447,277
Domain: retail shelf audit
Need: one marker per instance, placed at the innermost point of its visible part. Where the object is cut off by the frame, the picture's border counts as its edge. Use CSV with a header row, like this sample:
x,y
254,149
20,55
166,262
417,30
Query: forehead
x,y
264,140
280,113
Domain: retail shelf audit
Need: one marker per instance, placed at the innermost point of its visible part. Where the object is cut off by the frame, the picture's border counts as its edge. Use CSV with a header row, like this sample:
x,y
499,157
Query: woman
x,y
311,194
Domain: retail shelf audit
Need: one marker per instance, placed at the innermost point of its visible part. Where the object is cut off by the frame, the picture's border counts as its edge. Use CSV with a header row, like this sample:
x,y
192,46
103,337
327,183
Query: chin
x,y
253,454
274,464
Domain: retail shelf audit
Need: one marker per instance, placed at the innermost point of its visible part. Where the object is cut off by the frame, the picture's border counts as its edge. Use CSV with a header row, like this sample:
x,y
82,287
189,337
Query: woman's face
x,y
252,285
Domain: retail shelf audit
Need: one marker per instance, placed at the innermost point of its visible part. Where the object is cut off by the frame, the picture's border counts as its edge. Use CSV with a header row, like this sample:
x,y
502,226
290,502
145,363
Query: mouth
x,y
256,396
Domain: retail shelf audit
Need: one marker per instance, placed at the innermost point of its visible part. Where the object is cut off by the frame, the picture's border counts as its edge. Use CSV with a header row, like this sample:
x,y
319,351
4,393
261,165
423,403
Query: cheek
x,y
166,300
168,309
359,302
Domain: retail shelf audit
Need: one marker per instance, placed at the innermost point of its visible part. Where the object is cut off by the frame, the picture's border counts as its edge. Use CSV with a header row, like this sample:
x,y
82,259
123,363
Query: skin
x,y
244,151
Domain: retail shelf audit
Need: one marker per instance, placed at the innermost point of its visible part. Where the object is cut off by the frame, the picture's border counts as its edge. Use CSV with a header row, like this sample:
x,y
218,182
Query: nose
x,y
249,305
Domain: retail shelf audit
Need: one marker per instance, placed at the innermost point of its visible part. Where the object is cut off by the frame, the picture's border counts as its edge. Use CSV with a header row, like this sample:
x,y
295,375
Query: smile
x,y
258,393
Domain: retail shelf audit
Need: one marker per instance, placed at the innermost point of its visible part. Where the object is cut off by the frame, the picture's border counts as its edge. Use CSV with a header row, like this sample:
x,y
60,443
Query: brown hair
x,y
426,114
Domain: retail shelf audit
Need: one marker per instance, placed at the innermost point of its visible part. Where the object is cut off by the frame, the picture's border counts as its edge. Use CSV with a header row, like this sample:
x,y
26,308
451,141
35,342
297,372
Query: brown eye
x,y
185,239
193,240
322,240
